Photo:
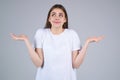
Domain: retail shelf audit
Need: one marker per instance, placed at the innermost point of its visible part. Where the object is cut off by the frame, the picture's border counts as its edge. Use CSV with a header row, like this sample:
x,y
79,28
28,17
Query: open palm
x,y
18,37
95,39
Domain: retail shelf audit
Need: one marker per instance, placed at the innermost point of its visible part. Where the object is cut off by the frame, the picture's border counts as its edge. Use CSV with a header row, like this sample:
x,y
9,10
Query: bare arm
x,y
36,55
78,56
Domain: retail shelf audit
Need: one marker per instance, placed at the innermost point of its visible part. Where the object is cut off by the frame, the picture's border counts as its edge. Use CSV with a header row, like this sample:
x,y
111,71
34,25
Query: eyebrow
x,y
61,13
55,12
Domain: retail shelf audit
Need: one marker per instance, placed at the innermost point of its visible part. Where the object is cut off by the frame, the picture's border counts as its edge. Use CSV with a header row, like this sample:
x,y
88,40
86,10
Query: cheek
x,y
64,20
50,20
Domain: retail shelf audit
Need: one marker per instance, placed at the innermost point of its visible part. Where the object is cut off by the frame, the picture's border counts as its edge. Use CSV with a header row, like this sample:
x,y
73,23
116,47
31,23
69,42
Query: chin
x,y
57,26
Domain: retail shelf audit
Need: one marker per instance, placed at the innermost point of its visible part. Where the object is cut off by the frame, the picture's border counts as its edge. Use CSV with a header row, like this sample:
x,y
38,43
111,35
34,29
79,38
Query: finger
x,y
100,38
13,36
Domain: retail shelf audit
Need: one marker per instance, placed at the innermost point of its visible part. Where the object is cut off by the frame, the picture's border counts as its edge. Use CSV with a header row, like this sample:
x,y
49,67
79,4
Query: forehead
x,y
57,10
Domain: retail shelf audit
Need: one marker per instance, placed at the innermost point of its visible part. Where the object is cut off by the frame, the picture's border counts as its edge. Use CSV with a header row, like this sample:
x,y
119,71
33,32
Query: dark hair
x,y
48,24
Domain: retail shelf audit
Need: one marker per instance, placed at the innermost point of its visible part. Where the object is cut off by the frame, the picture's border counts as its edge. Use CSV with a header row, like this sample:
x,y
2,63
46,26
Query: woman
x,y
57,50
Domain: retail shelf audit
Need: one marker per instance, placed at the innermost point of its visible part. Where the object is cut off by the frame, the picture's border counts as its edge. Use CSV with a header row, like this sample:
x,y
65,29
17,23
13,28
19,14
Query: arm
x,y
36,55
78,56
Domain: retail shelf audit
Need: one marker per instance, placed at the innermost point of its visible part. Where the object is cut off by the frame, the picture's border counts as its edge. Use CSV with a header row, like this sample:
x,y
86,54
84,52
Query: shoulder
x,y
41,31
73,34
72,31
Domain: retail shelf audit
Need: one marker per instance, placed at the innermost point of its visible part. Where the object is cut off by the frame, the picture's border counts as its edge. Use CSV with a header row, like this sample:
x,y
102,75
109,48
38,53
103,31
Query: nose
x,y
57,18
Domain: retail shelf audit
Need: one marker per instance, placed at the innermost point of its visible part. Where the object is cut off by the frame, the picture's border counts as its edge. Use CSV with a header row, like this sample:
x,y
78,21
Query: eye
x,y
60,15
53,14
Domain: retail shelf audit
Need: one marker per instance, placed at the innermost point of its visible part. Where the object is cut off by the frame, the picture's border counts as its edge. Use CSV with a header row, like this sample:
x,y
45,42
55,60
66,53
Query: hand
x,y
19,37
95,39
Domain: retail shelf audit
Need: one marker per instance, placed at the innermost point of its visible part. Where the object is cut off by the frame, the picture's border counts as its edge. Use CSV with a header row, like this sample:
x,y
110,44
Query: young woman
x,y
57,50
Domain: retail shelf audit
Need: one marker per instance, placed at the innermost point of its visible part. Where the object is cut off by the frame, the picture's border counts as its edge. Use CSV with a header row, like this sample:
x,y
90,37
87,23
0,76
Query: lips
x,y
56,22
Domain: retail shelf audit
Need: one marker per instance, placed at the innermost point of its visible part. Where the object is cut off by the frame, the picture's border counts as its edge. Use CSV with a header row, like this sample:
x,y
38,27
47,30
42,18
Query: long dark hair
x,y
48,24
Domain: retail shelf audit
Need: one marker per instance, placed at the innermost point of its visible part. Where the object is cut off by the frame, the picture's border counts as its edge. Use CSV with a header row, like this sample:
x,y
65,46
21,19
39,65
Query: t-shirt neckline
x,y
57,34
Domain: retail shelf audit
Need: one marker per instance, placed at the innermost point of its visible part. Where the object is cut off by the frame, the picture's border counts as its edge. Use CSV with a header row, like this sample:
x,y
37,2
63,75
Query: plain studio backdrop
x,y
87,17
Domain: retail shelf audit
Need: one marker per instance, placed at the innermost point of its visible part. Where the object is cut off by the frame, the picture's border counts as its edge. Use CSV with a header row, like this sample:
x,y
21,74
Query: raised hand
x,y
19,37
95,39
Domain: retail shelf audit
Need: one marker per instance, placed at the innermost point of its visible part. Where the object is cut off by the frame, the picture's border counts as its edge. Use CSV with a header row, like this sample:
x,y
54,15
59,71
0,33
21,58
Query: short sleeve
x,y
38,38
76,45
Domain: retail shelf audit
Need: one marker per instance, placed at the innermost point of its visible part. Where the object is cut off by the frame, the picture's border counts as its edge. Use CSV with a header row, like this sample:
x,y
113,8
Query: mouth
x,y
56,22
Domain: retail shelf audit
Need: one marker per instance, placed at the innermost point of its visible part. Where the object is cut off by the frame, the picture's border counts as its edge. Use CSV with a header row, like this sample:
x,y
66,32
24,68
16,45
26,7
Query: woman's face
x,y
57,18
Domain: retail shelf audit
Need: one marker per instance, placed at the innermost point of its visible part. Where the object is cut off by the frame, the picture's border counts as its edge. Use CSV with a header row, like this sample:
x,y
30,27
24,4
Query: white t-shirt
x,y
57,51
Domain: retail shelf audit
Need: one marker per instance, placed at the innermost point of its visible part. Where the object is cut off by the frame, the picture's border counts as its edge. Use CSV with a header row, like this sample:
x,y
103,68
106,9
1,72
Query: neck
x,y
57,30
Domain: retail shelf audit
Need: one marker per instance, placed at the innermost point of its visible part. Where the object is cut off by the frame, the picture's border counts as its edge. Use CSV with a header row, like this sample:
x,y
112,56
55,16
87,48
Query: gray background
x,y
87,17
